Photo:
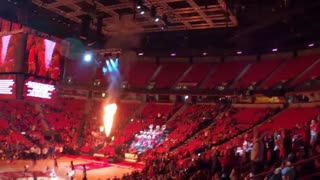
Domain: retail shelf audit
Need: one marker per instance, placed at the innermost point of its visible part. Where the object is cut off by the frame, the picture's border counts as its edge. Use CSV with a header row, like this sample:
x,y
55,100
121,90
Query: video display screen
x,y
7,86
11,52
36,89
44,57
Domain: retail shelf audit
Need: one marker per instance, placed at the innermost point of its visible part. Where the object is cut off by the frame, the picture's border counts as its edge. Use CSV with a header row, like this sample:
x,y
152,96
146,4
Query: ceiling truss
x,y
121,15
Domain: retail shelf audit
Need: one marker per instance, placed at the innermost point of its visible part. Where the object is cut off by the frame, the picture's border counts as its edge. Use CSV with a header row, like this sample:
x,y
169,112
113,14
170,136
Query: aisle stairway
x,y
202,127
41,109
84,119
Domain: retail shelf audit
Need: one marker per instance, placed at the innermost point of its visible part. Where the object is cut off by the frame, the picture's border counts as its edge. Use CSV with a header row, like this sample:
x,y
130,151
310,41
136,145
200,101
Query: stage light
x,y
117,62
87,57
142,12
113,64
204,54
139,4
239,52
104,70
311,45
109,66
173,54
153,13
140,54
274,50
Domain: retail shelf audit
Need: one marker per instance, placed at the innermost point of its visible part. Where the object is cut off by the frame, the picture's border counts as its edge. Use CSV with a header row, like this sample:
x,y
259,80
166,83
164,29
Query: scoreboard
x,y
19,86
30,65
38,89
6,86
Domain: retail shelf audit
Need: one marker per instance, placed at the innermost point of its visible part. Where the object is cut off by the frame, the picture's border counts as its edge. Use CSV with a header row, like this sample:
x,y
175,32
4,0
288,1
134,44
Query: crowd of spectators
x,y
186,124
226,147
28,134
282,155
227,125
64,116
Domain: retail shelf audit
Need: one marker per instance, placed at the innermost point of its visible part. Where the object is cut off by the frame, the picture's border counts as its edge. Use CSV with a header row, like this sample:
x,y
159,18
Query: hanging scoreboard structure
x,y
30,65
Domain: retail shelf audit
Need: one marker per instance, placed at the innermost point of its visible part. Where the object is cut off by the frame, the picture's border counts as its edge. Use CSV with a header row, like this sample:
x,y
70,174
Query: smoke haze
x,y
122,37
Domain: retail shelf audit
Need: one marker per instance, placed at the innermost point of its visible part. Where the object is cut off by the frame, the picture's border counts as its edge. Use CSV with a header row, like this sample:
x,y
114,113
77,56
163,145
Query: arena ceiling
x,y
177,15
216,26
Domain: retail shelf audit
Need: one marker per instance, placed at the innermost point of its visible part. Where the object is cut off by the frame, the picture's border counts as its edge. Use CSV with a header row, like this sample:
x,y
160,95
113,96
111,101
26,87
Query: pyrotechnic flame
x,y
109,112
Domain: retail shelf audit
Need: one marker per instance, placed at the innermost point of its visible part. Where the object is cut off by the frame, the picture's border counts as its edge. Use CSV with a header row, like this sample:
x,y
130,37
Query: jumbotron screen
x,y
44,57
7,86
11,52
38,89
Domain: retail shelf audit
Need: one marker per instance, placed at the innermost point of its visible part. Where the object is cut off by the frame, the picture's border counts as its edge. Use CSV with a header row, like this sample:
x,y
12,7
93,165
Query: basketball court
x,y
96,169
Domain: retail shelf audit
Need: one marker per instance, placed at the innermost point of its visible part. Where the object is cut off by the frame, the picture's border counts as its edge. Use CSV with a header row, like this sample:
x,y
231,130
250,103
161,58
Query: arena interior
x,y
160,89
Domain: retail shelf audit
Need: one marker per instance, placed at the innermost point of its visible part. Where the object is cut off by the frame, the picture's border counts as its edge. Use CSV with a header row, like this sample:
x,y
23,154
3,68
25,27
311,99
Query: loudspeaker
x,y
85,26
99,26
99,37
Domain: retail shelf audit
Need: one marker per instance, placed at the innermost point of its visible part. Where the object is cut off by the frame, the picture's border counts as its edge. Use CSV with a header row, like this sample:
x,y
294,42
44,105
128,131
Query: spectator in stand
x,y
215,164
306,140
287,172
234,175
228,161
314,130
272,155
275,173
287,143
279,138
257,154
